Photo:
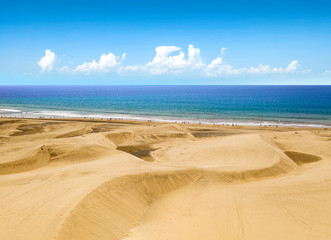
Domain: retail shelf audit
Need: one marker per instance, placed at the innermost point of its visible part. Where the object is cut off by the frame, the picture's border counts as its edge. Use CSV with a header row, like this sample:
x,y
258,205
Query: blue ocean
x,y
242,105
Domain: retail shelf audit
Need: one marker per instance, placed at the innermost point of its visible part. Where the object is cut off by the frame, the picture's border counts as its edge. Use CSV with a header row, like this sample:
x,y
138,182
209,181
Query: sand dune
x,y
130,180
33,160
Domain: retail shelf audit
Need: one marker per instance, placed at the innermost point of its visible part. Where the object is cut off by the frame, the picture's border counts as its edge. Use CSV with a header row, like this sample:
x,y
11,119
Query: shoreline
x,y
186,123
15,113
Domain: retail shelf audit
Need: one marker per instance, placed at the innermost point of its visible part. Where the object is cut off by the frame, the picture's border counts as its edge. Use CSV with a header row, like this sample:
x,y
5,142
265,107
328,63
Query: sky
x,y
165,42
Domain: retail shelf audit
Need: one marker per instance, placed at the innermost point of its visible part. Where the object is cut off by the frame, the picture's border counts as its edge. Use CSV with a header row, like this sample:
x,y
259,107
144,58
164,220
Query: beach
x,y
108,179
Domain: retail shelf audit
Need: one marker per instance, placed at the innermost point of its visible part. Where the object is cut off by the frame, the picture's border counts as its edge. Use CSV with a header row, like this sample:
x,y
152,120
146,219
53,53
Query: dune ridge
x,y
116,206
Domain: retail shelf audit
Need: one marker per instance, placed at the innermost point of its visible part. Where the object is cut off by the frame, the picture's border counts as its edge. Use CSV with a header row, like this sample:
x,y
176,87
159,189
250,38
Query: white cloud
x,y
63,69
168,59
105,64
217,67
123,56
163,52
128,68
223,49
47,62
260,69
194,58
163,63
292,66
327,71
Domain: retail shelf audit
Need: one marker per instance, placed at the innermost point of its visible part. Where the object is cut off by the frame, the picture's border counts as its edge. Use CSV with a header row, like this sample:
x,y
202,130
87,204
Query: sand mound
x,y
311,143
116,206
36,159
151,134
30,129
285,208
112,209
27,160
237,153
84,152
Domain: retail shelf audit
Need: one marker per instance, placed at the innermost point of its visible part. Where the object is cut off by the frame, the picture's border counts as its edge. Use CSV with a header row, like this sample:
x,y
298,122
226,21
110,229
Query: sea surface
x,y
242,105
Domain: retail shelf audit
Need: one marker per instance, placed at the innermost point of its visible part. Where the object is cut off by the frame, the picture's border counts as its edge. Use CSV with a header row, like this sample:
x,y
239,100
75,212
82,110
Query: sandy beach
x,y
81,179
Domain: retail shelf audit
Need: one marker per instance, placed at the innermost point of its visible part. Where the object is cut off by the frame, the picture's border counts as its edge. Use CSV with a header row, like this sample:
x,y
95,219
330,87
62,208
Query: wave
x,y
10,112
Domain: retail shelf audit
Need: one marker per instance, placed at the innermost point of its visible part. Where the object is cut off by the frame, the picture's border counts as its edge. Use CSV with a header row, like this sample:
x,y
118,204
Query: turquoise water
x,y
246,105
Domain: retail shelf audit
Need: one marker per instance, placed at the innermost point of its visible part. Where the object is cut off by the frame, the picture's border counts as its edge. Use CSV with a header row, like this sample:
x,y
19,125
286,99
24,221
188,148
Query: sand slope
x,y
127,180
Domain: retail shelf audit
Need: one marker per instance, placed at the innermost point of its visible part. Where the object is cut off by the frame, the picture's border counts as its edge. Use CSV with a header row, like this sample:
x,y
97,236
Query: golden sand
x,y
151,181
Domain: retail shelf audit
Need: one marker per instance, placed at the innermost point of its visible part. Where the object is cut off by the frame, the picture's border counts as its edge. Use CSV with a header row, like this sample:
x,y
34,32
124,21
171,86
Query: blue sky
x,y
165,42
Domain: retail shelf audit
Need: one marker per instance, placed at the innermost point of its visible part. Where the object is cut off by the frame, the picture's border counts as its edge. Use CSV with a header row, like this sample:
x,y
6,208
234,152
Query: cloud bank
x,y
167,59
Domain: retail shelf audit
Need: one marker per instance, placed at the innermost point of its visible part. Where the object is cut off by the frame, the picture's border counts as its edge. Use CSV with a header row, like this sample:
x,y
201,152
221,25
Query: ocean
x,y
242,105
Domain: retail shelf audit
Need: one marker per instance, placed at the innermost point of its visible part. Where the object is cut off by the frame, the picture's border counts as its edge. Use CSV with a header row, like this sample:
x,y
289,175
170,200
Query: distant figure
x,y
42,147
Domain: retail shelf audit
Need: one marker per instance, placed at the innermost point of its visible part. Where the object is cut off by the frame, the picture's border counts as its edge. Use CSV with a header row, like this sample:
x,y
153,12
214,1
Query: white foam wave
x,y
8,110
80,115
